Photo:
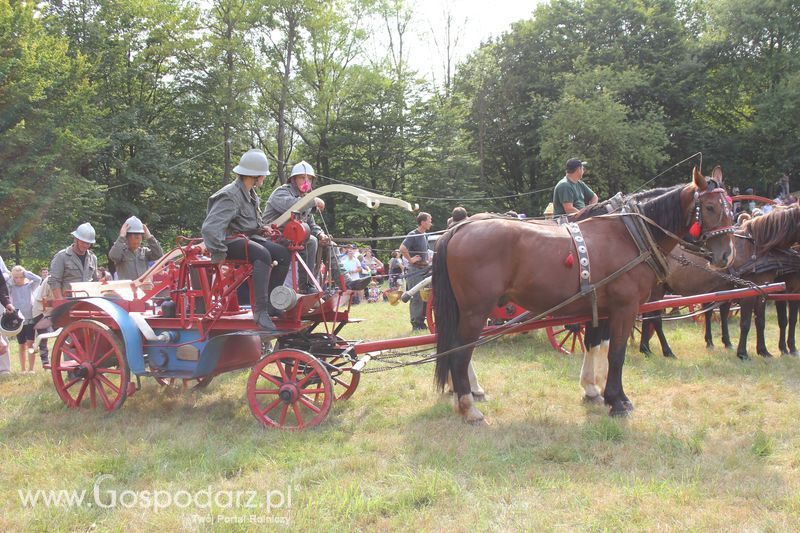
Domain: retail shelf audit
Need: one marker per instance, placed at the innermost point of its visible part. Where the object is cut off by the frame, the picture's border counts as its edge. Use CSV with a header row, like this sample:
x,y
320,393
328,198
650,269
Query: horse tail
x,y
445,311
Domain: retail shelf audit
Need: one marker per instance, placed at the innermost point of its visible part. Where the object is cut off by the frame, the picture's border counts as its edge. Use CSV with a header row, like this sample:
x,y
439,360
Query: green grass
x,y
713,444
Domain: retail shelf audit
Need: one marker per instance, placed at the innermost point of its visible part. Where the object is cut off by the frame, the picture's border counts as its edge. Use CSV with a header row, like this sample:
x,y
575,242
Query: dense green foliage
x,y
111,108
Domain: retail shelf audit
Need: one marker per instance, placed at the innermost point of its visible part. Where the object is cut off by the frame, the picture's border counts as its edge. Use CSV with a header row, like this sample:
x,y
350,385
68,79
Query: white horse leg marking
x,y
467,409
601,367
588,373
477,391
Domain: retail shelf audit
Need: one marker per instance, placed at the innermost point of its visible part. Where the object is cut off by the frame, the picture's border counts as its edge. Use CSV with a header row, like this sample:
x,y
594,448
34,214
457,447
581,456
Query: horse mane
x,y
652,193
663,207
776,229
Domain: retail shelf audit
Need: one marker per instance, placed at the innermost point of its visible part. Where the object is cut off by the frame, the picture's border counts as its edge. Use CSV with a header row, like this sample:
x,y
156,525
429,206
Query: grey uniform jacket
x,y
66,268
131,265
230,211
282,199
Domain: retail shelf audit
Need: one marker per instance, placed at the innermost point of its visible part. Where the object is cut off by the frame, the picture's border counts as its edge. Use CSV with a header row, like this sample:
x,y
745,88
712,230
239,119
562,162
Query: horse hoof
x,y
743,356
478,422
670,355
784,351
765,354
479,396
593,399
729,346
625,409
709,346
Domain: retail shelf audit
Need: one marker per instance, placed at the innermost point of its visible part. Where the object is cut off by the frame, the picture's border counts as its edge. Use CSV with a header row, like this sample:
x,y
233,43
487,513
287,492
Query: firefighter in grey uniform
x,y
235,210
75,263
282,199
127,252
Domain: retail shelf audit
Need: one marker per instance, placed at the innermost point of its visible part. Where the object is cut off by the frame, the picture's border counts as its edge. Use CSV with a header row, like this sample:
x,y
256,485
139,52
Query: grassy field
x,y
714,444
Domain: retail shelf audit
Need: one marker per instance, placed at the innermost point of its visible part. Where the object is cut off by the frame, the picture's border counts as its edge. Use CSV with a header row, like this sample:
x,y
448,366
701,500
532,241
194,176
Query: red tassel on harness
x,y
569,261
694,231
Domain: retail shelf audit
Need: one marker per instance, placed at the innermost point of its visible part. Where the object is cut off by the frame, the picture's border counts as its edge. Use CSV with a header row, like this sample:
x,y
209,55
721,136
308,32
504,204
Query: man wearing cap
x,y
75,263
283,198
571,194
127,252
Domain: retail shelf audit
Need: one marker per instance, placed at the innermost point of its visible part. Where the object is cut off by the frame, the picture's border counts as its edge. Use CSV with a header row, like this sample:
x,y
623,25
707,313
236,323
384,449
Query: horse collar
x,y
583,264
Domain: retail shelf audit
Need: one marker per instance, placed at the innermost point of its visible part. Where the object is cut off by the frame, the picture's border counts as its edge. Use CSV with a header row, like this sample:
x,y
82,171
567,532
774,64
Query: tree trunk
x,y
280,137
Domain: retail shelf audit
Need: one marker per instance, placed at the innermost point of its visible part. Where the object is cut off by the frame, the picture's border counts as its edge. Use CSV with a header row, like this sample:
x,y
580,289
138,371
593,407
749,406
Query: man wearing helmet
x,y
75,263
235,210
283,198
127,252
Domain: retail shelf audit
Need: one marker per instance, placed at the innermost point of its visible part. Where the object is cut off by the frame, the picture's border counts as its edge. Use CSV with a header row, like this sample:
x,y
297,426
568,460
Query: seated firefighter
x,y
235,210
282,199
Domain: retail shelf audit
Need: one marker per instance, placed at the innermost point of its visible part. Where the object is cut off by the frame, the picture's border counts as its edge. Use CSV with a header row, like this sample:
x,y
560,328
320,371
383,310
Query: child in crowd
x,y
395,270
374,293
21,287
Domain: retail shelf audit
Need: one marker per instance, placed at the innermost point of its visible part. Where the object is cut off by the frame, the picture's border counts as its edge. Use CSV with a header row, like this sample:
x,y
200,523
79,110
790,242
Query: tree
x,y
46,135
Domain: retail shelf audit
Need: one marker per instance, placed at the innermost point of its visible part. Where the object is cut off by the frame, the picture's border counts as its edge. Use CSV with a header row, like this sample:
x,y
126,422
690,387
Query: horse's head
x,y
710,216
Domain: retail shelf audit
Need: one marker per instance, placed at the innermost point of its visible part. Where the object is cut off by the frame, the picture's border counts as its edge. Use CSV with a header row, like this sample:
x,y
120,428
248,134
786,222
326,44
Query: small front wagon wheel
x,y
290,389
89,366
567,339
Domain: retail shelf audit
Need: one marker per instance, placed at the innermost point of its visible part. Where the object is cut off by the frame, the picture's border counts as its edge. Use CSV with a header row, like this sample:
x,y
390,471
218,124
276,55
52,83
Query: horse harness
x,y
649,252
637,225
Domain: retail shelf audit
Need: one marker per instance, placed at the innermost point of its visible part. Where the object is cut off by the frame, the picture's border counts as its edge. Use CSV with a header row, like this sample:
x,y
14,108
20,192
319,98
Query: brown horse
x,y
760,257
488,261
786,342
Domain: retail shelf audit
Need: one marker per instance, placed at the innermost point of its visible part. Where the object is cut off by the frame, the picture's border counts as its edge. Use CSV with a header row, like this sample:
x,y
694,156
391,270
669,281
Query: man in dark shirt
x,y
415,250
571,194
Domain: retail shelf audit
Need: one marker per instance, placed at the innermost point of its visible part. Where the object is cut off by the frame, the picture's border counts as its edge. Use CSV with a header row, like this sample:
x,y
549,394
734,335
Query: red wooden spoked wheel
x,y
344,381
290,389
567,339
687,309
429,313
89,367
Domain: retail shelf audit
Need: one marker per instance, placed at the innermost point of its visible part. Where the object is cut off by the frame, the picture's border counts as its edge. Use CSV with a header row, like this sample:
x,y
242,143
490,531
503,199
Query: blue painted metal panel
x,y
131,336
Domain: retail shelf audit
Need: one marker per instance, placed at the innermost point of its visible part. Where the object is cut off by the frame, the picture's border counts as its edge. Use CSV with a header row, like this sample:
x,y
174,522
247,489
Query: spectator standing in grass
x,y
415,249
21,287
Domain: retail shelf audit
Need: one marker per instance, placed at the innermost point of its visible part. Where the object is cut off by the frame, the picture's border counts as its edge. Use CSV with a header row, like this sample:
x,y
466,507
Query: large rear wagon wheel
x,y
290,389
429,313
89,367
567,339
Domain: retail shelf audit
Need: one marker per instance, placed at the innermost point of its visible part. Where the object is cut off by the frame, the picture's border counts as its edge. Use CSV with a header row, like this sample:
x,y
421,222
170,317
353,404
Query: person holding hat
x,y
282,199
571,194
75,263
235,210
127,252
